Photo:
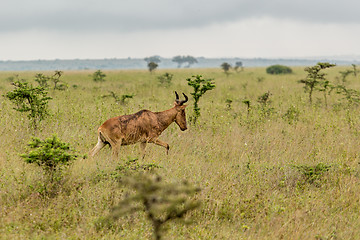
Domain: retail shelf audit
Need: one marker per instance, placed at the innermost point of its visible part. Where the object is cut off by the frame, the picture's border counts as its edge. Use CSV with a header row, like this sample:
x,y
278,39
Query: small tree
x,y
42,80
51,154
239,65
345,74
161,202
152,66
264,99
247,102
33,100
315,77
165,79
351,95
200,86
355,71
121,99
56,80
99,76
325,86
226,67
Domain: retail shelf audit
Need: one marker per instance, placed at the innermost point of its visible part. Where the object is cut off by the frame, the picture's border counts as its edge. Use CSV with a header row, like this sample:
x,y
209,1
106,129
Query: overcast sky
x,y
94,29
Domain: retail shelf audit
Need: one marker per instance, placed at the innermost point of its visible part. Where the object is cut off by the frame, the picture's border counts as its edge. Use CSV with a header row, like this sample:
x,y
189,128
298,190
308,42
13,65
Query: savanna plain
x,y
275,167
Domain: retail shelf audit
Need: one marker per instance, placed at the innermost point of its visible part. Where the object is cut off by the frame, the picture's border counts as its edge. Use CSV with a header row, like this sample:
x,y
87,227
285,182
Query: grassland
x,y
248,165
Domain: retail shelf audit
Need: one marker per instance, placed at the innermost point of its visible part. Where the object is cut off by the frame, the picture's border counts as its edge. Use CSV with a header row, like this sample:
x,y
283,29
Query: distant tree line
x,y
182,61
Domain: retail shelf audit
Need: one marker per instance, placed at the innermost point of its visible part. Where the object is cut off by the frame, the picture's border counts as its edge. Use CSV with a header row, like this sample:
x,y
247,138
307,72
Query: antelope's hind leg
x,y
115,147
100,144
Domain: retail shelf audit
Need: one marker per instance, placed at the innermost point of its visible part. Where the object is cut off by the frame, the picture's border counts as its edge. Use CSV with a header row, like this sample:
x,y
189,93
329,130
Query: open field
x,y
248,165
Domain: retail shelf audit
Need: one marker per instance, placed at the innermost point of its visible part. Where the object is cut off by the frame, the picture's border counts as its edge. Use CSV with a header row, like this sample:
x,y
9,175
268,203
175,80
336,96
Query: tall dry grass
x,y
245,164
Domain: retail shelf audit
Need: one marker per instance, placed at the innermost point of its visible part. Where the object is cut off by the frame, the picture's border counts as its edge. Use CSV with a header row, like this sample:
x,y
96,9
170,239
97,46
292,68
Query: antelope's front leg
x,y
161,143
142,147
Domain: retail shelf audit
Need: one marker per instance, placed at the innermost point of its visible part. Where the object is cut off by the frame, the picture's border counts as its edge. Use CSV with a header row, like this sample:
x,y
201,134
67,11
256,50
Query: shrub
x,y
121,99
99,76
30,99
278,69
200,86
165,79
51,154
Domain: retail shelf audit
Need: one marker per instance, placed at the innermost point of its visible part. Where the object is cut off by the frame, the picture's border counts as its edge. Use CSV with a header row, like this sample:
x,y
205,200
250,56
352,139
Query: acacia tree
x,y
226,67
152,66
180,60
315,77
238,65
155,59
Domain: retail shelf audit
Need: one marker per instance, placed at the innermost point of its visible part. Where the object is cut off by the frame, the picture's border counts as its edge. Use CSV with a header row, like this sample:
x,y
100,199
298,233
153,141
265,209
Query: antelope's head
x,y
180,118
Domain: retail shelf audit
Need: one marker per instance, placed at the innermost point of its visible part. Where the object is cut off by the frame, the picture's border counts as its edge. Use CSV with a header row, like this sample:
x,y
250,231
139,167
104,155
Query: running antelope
x,y
144,127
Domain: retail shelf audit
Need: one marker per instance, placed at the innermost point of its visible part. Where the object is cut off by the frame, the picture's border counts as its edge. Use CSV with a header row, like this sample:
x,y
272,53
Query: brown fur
x,y
144,127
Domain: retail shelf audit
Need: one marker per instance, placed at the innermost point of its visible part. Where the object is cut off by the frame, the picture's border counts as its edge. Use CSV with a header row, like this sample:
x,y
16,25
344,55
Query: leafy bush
x,y
292,114
99,76
51,154
165,79
278,69
30,99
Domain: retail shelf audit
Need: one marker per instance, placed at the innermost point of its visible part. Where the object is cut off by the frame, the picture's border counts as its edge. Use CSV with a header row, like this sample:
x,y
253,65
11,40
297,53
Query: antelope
x,y
144,126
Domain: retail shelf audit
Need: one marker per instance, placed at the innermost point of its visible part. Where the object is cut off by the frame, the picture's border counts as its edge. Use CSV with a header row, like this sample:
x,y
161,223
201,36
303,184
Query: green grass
x,y
245,164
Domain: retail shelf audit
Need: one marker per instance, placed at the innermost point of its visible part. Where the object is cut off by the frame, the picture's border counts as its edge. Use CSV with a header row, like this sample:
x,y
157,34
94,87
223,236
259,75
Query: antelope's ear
x,y
183,106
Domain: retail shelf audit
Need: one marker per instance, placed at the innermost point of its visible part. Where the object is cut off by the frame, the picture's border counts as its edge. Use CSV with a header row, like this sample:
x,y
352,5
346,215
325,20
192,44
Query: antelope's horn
x,y
177,97
184,101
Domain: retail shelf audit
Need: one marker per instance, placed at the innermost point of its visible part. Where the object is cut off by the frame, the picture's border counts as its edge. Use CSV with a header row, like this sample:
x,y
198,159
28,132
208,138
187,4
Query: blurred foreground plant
x,y
161,201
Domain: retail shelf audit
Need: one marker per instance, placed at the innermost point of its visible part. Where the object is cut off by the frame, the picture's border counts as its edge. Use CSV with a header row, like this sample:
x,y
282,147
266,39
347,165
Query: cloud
x,y
140,15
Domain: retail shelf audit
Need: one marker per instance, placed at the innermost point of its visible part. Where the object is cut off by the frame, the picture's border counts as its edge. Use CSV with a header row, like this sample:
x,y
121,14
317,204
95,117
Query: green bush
x,y
33,100
51,154
278,69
